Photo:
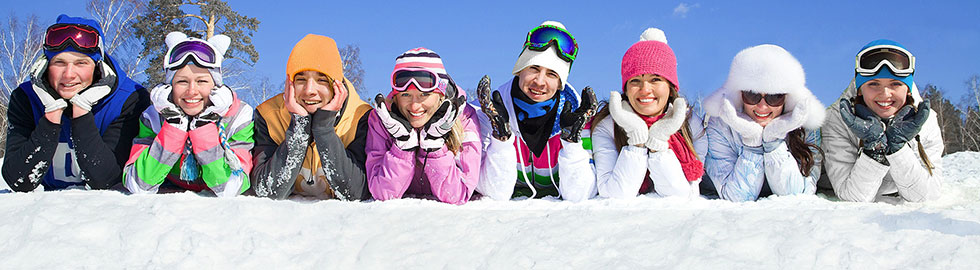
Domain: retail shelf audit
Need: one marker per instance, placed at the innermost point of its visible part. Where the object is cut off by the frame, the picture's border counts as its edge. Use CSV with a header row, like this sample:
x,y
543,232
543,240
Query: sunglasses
x,y
773,100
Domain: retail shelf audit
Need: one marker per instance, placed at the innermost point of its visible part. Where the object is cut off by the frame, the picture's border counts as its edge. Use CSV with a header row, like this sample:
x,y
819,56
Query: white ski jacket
x,y
857,177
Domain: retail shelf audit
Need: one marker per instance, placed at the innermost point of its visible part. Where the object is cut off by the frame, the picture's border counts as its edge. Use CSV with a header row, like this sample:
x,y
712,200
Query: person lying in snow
x,y
763,133
310,139
643,145
881,137
73,123
548,118
197,134
428,143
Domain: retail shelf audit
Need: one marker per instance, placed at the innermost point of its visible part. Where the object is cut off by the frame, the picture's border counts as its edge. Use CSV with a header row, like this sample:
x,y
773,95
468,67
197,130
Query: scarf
x,y
534,119
692,167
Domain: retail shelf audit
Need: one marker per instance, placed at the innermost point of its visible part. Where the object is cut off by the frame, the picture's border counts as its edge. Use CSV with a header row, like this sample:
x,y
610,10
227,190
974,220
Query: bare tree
x,y
264,89
350,55
973,89
20,45
119,39
971,107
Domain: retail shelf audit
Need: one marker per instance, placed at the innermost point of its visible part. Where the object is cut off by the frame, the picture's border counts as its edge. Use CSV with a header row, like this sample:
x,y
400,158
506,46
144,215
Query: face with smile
x,y
884,96
191,87
312,89
417,106
647,94
538,83
762,113
70,73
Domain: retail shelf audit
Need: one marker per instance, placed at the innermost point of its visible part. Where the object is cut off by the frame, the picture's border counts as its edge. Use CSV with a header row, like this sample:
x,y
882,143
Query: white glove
x,y
749,130
88,97
622,113
661,131
221,99
779,127
406,138
173,115
44,93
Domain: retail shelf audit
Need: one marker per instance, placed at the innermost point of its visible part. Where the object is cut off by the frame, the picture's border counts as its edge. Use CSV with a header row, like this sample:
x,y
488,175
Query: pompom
x,y
554,23
653,34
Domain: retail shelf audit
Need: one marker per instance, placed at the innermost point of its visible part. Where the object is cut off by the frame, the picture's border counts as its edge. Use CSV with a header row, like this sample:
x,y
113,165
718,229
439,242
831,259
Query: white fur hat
x,y
767,69
219,42
547,58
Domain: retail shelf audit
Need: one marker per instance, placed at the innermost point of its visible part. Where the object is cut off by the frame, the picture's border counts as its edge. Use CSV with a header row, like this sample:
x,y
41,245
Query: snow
x,y
104,229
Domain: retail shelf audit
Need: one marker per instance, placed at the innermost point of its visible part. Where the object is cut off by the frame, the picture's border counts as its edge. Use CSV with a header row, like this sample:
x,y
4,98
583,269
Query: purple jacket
x,y
450,177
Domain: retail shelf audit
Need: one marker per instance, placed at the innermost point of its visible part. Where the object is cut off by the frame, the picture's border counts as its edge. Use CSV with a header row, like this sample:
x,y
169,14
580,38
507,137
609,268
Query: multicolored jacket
x,y
450,177
508,166
162,152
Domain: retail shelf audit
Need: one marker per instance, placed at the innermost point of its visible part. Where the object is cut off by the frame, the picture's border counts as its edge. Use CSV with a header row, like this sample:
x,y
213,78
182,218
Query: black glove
x,y
494,108
906,124
573,121
868,127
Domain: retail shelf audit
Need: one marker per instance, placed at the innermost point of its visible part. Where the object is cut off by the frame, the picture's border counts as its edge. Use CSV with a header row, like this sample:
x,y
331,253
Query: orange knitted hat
x,y
317,53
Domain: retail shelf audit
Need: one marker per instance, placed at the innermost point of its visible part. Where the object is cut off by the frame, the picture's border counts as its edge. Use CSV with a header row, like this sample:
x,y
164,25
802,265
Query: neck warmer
x,y
534,119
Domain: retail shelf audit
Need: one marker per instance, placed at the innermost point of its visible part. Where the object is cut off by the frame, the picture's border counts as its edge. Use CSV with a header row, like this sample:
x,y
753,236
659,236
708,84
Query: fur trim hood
x,y
767,69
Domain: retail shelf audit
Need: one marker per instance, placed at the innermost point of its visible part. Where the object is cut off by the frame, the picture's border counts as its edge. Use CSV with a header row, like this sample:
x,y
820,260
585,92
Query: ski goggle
x,y
869,61
199,51
774,100
82,37
540,37
425,80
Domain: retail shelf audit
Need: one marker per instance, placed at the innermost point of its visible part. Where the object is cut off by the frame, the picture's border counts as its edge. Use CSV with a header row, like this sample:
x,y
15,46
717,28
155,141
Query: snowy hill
x,y
101,229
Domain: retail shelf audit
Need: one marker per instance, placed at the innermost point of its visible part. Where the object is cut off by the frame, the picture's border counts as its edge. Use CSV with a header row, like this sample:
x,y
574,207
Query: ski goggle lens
x,y
422,79
84,37
201,52
773,100
541,36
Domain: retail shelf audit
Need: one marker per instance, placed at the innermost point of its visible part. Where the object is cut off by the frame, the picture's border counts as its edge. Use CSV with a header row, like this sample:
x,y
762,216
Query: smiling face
x,y
884,96
70,73
191,87
538,83
417,106
312,89
647,94
762,112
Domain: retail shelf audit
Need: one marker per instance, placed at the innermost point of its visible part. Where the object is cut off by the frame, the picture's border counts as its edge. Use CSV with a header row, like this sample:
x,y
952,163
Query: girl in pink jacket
x,y
423,139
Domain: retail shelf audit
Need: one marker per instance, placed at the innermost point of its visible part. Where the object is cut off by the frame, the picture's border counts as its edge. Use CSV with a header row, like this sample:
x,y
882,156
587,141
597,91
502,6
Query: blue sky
x,y
477,38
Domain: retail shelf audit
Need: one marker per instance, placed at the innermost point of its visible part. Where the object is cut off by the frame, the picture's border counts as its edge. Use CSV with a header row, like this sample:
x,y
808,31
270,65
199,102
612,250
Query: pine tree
x,y
211,17
950,118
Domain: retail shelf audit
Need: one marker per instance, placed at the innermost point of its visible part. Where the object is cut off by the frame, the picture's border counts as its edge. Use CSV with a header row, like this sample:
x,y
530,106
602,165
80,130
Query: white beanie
x,y
219,42
547,58
767,69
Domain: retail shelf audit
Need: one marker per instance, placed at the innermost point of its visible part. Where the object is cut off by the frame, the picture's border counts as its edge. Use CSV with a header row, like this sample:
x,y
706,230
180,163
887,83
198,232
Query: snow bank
x,y
95,229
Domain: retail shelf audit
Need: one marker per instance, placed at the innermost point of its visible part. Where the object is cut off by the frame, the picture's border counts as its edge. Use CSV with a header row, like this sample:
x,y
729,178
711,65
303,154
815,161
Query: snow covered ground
x,y
101,229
